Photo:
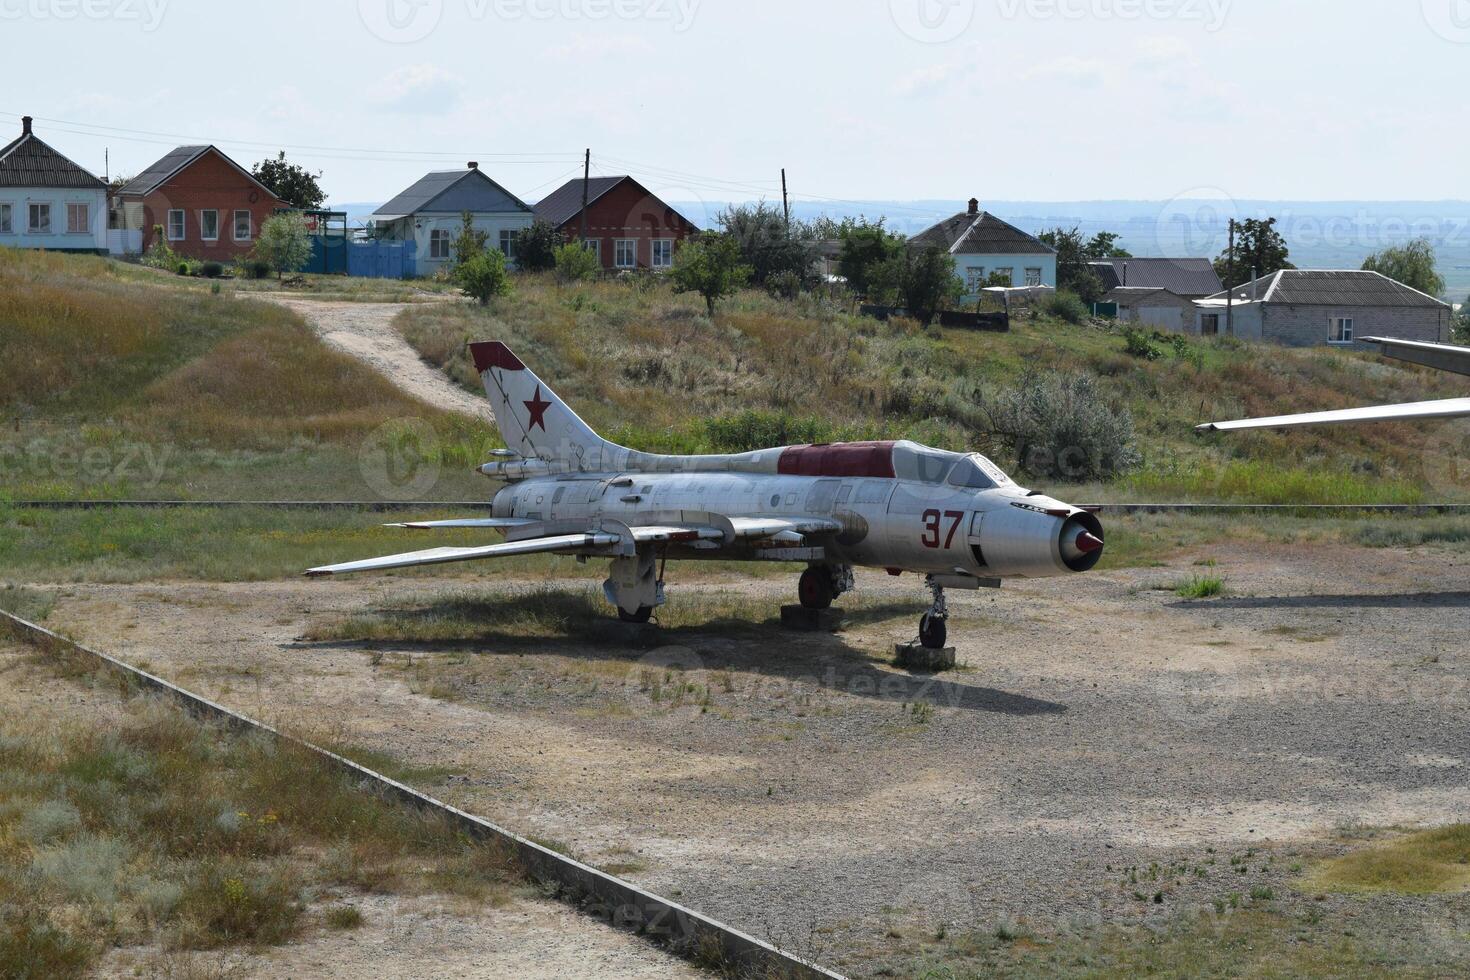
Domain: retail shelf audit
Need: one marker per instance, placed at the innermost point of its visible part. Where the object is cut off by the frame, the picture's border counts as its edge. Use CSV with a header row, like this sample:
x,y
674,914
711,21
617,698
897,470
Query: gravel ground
x,y
798,793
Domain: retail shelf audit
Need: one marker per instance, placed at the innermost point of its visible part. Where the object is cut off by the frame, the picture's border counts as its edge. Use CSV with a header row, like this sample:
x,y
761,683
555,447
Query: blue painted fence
x,y
382,260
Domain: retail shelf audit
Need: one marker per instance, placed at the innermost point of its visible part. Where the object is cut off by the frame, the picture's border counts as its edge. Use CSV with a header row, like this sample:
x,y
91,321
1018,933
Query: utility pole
x,y
1229,285
785,201
586,179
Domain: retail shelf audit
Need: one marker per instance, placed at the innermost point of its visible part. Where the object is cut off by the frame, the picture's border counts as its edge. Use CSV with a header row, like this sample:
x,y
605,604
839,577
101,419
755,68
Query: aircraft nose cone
x,y
1087,543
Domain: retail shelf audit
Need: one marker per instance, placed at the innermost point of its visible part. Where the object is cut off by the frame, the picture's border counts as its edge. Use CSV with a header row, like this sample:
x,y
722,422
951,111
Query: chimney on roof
x,y
474,165
974,205
25,125
1125,273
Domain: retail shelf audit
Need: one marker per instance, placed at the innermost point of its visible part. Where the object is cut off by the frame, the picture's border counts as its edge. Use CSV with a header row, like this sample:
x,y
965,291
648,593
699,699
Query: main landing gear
x,y
933,628
821,584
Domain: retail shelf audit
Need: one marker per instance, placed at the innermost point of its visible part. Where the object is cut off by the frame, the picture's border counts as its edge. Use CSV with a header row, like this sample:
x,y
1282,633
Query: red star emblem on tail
x,y
537,408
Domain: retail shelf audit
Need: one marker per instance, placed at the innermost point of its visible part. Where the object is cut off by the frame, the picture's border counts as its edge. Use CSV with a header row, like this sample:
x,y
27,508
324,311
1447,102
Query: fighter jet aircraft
x,y
1442,357
955,518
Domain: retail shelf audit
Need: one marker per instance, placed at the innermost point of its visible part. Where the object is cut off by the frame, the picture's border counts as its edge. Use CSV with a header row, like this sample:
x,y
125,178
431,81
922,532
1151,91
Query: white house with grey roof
x,y
47,201
1305,307
983,245
430,212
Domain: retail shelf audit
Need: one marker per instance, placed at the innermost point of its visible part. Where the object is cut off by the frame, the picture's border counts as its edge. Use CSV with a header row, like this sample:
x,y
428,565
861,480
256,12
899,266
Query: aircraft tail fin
x,y
532,419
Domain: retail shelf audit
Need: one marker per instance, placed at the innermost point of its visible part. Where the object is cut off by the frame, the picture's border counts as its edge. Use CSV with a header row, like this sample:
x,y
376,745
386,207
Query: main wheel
x,y
643,614
933,632
815,589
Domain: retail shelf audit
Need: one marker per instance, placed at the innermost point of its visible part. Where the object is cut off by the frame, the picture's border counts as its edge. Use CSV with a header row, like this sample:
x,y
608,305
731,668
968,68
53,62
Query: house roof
x,y
174,161
28,161
565,203
1132,296
1186,277
1329,287
473,191
981,233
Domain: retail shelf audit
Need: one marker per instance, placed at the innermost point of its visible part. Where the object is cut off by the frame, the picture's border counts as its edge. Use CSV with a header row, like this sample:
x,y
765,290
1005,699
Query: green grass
x,y
1200,587
154,829
31,604
1427,862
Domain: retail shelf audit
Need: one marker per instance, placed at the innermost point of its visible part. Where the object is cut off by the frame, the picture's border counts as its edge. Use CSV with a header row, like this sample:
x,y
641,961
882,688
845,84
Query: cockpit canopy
x,y
921,464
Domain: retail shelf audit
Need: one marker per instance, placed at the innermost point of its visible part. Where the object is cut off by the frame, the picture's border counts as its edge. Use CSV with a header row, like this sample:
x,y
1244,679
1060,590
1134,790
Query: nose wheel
x,y
934,628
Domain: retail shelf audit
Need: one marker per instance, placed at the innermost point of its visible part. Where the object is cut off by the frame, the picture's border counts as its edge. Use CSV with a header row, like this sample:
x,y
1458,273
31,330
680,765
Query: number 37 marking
x,y
934,527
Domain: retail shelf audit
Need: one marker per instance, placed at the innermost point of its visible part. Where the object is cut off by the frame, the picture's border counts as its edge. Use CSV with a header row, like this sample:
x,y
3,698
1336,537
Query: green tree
x,y
575,263
766,245
1259,251
483,276
293,184
1462,329
711,265
922,280
865,246
536,246
470,241
1073,254
283,243
1104,245
1413,265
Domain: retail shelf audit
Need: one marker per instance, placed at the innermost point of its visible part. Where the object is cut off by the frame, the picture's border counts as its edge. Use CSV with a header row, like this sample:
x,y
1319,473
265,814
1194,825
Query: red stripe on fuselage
x,y
839,459
494,354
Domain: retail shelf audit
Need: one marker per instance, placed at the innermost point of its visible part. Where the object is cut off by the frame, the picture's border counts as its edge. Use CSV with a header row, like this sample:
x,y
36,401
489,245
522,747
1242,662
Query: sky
x,y
860,100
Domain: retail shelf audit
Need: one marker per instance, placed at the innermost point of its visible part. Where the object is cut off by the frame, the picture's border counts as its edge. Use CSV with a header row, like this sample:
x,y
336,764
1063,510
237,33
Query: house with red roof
x,y
625,224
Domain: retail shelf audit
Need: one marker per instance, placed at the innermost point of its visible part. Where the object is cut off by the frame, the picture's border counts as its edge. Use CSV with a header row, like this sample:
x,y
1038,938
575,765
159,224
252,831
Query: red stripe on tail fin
x,y
494,354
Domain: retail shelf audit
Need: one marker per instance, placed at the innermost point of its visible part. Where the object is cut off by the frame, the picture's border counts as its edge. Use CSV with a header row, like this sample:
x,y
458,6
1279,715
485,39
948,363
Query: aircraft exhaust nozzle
x,y
1082,542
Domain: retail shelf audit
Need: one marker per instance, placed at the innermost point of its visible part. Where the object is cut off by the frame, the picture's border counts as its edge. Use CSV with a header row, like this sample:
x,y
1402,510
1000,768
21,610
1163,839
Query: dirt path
x,y
365,330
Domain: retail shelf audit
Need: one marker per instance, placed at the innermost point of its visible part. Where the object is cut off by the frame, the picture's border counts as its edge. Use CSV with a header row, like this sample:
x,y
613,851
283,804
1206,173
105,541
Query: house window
x,y
78,219
243,230
625,253
209,225
975,279
176,226
439,244
663,253
593,245
40,223
5,220
1033,276
508,242
1008,274
1209,324
1340,330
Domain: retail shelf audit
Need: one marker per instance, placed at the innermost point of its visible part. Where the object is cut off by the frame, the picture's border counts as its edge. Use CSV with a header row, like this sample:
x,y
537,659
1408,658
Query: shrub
x,y
1066,305
784,285
1139,344
483,276
211,270
283,244
1060,427
575,263
536,247
184,269
229,905
159,254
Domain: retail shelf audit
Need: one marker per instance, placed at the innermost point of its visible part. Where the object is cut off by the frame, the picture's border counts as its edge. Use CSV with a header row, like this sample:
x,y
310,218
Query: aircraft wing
x,y
1442,357
776,528
1449,408
494,523
443,556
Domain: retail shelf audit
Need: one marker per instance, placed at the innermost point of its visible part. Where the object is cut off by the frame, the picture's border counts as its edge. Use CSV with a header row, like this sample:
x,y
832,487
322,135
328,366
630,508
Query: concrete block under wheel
x,y
916,656
811,620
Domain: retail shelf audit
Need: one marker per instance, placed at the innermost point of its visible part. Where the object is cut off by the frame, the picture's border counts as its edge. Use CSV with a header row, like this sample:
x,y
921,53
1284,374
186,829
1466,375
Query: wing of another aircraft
x,y
592,541
494,523
1449,408
1442,357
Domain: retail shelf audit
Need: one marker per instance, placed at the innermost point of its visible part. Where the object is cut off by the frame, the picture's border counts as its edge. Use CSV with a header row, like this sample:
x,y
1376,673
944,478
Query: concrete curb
x,y
625,906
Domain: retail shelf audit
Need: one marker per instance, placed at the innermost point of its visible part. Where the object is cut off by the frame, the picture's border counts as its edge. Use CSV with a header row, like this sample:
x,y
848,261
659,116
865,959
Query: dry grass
x,y
650,369
157,830
1424,863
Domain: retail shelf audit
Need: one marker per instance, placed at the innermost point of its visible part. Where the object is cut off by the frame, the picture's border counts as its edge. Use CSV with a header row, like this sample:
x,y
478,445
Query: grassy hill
x,y
651,370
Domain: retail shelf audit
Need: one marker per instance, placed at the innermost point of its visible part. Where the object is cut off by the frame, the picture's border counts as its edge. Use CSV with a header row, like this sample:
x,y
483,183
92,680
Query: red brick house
x,y
207,204
627,226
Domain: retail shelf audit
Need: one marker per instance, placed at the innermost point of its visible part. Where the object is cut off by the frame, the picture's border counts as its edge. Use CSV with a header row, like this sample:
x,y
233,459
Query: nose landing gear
x,y
933,628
